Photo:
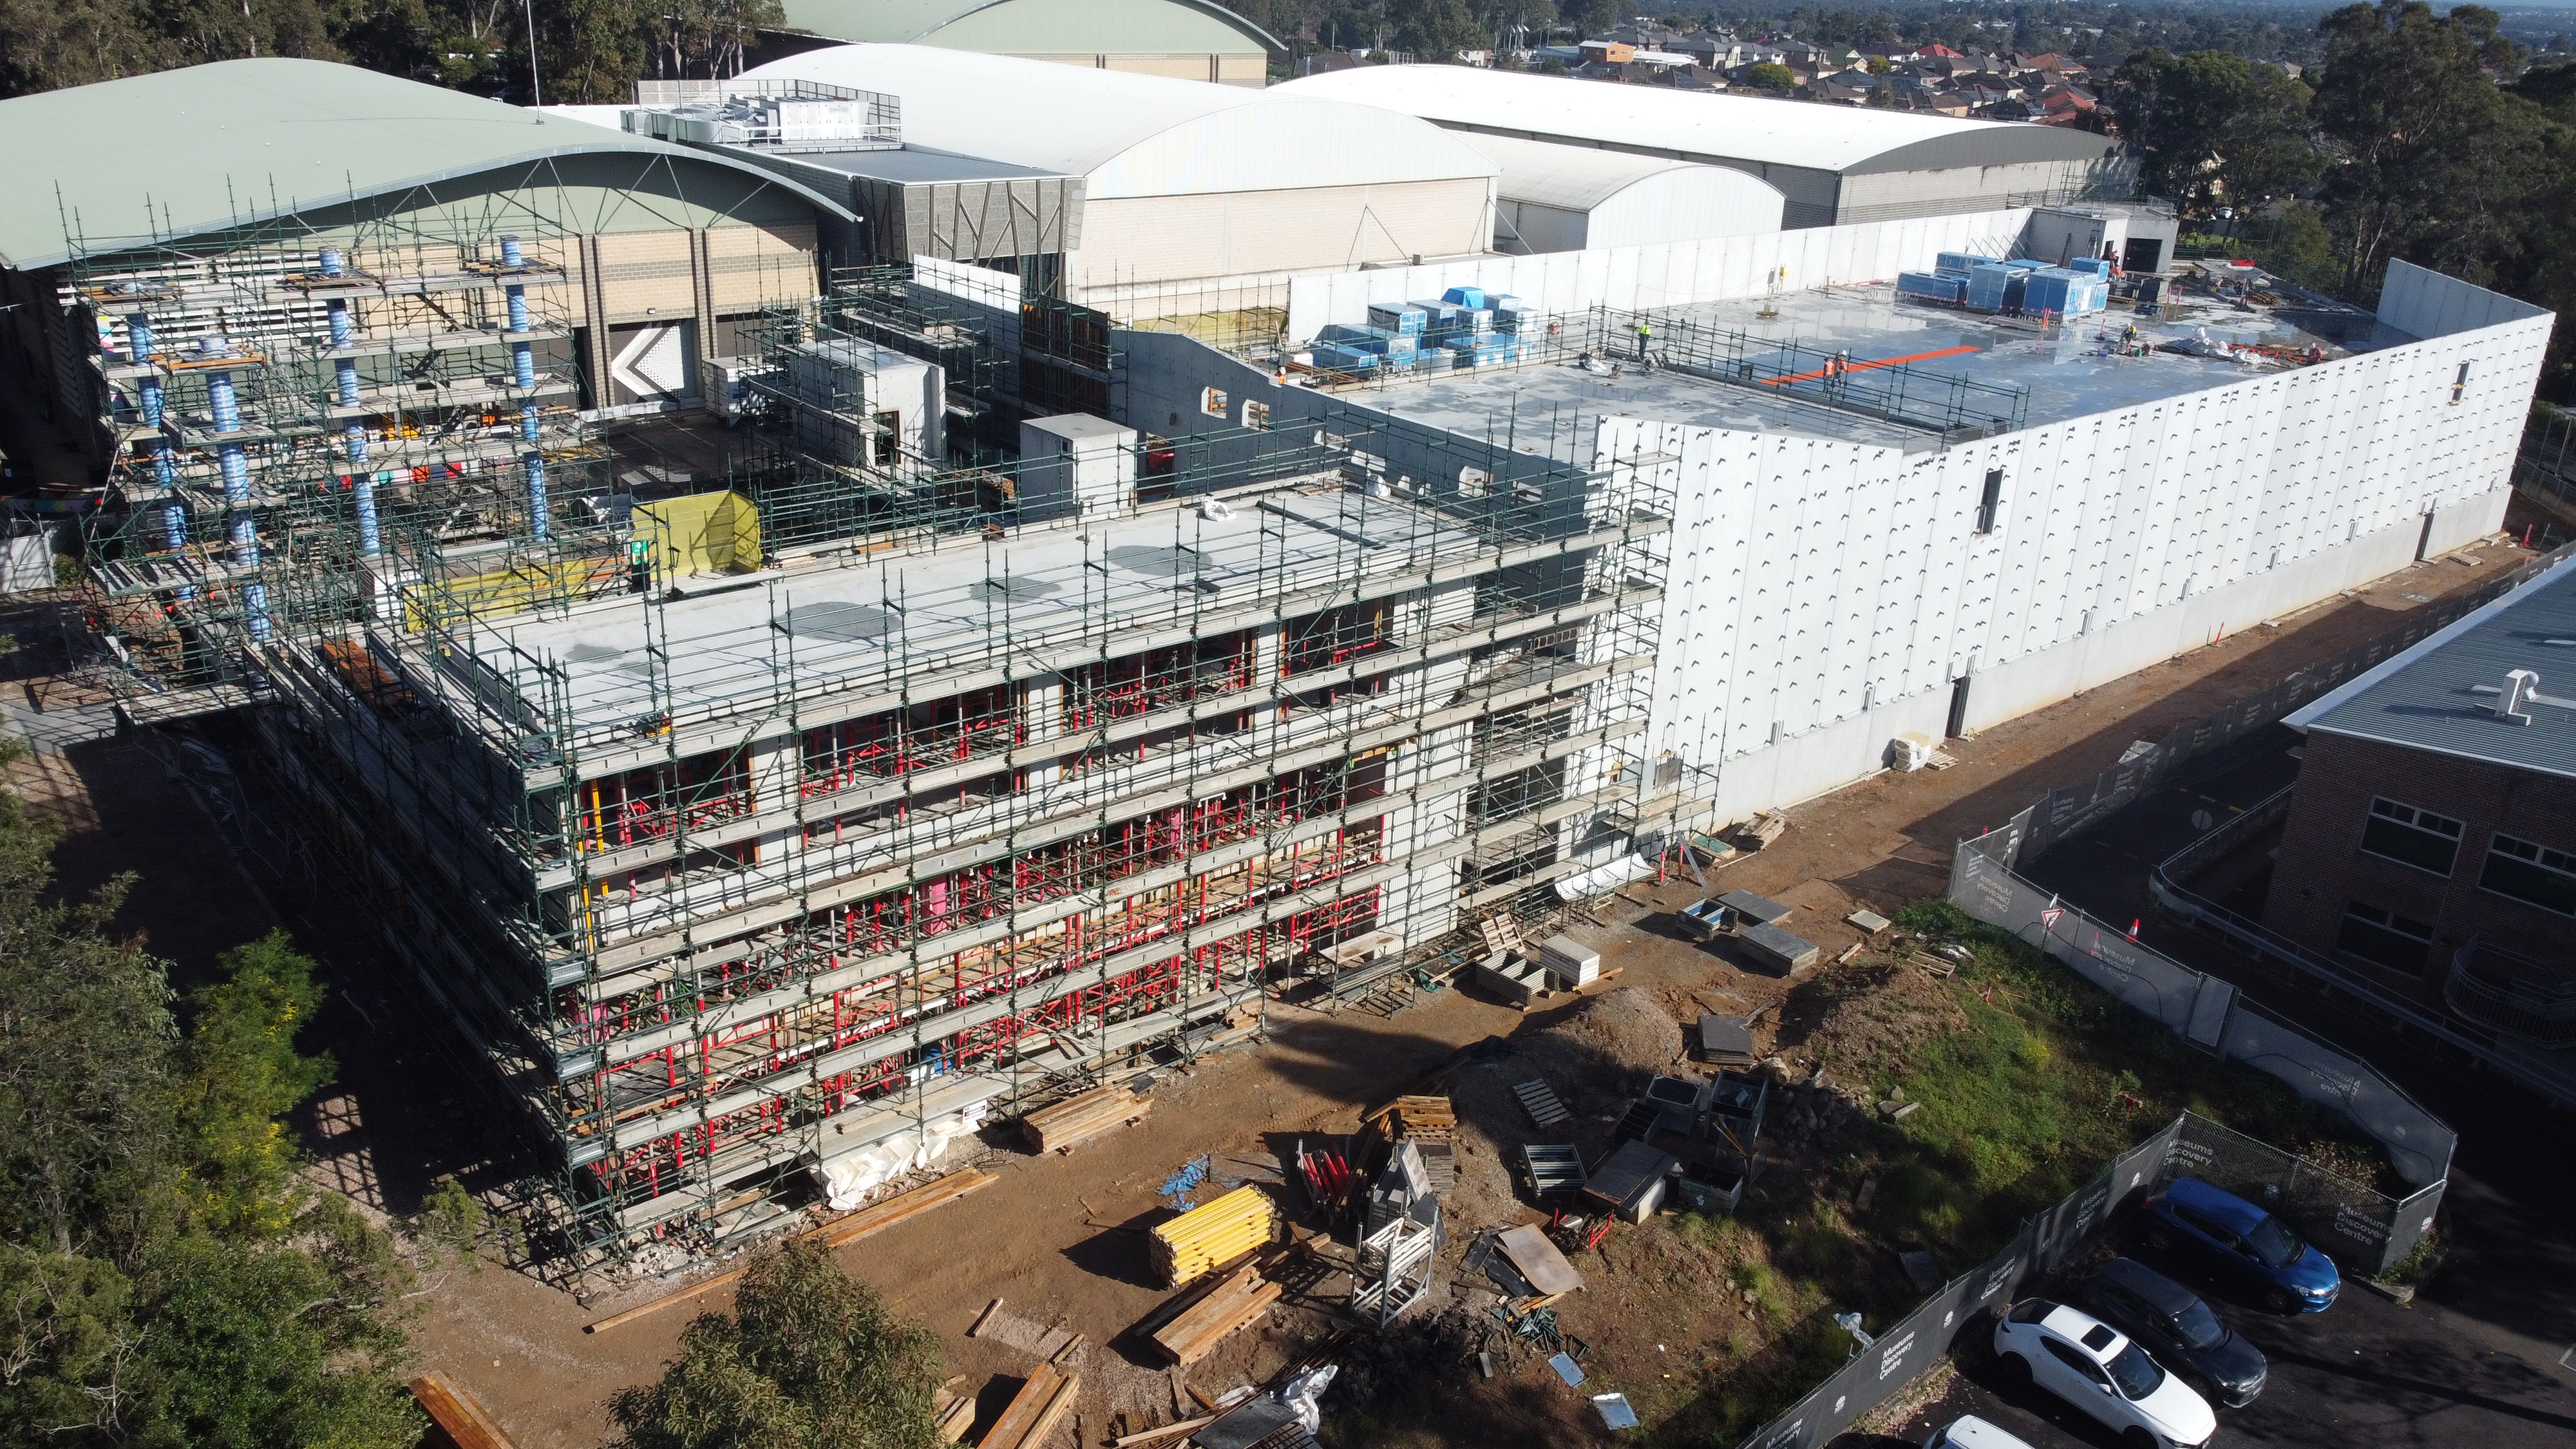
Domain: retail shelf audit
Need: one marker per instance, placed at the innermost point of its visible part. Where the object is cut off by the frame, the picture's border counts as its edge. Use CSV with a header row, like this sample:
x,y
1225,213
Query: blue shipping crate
x,y
1956,264
2046,290
1402,317
1346,336
1332,357
1932,287
2090,266
1992,287
1465,296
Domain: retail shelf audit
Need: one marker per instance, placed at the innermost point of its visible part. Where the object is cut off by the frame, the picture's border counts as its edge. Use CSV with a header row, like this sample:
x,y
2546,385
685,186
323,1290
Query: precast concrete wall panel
x,y
1827,595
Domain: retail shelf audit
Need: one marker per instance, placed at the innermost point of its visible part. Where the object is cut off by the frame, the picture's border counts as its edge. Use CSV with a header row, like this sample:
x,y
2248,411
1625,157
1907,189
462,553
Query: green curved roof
x,y
210,148
1037,27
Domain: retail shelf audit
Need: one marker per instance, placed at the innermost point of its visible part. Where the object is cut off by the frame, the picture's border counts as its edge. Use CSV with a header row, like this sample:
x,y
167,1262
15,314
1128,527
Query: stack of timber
x,y
1206,1238
1236,1303
955,1412
1431,1124
1035,1410
1064,1126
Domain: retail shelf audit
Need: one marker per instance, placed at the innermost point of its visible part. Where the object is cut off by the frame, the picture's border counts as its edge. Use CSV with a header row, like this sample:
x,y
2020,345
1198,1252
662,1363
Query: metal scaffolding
x,y
739,832
278,406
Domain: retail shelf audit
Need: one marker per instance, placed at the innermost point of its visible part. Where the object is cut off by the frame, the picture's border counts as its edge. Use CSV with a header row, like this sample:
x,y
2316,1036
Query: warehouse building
x,y
1833,164
1556,198
1192,197
660,247
1188,40
2430,843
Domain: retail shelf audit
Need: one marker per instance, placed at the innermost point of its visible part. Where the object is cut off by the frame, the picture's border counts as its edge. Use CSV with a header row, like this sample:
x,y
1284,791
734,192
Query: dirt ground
x,y
1059,1238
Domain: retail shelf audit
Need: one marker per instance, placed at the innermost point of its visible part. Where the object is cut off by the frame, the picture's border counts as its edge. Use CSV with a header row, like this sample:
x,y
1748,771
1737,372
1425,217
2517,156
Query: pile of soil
x,y
1868,1019
1594,1057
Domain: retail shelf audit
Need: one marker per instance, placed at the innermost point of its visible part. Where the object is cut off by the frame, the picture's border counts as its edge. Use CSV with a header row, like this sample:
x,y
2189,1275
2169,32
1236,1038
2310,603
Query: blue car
x,y
2240,1242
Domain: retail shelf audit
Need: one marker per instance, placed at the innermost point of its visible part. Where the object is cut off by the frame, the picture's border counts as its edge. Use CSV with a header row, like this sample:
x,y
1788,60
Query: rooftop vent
x,y
766,115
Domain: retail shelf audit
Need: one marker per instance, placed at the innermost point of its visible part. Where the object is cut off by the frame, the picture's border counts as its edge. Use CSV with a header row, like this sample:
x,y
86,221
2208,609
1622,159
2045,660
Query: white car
x,y
1970,1432
2095,1367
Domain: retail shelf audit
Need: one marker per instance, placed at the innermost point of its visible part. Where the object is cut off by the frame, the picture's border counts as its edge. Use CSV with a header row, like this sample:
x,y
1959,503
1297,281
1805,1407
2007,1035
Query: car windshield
x,y
2199,1327
2135,1373
2276,1245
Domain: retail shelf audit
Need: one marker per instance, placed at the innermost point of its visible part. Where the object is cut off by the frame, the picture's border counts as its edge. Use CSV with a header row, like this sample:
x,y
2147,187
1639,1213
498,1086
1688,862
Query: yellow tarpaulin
x,y
704,533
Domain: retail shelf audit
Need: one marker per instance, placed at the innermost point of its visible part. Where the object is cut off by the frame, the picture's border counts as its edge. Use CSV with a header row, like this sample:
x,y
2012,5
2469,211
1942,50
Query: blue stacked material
x,y
2065,292
1932,287
1477,320
1370,339
1511,314
1995,287
2091,267
1473,297
1404,317
1441,319
1482,349
1956,264
1333,357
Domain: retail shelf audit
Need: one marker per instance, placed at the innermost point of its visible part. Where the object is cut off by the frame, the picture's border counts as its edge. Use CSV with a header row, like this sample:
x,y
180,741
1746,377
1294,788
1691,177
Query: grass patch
x,y
2029,1078
2051,1078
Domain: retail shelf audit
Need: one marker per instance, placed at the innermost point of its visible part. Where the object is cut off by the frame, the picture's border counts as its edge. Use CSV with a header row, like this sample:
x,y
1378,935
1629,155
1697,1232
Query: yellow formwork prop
x,y
1211,1235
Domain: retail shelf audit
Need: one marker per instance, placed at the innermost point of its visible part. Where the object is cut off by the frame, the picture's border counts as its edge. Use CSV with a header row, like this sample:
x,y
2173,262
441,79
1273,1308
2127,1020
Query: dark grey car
x,y
2177,1328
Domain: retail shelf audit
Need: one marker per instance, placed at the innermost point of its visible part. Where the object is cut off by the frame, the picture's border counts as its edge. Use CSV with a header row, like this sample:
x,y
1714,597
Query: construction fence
x,y
2493,1029
2053,1242
2074,809
2357,1225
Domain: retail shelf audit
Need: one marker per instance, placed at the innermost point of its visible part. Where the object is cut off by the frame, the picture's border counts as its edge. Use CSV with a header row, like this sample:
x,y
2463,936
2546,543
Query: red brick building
x,y
2431,843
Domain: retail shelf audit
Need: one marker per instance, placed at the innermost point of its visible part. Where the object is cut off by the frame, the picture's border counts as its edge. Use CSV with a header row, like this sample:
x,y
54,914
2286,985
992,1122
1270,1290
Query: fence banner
x,y
1969,1304
2357,1225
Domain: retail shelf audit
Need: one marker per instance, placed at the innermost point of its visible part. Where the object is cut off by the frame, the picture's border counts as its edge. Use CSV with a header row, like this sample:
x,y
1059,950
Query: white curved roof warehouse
x,y
1558,198
1835,164
1186,181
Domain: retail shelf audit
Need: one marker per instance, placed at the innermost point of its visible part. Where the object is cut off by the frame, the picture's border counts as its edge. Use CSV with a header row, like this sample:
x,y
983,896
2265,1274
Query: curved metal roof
x,y
1035,27
1137,135
1579,178
1847,139
207,148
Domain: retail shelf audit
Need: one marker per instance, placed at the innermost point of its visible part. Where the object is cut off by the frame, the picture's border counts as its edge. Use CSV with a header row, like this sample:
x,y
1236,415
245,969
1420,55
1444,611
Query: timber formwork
x,y
731,876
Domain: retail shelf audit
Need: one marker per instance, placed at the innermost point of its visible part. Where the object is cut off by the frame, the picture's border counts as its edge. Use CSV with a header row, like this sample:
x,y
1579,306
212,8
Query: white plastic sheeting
x,y
847,1180
1670,274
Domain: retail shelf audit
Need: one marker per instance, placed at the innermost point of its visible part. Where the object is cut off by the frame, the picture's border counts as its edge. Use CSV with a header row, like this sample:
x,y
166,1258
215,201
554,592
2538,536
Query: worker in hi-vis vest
x,y
1645,334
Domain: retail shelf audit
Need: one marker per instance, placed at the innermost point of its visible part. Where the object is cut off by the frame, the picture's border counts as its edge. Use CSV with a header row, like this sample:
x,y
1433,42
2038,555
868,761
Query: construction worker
x,y
1645,335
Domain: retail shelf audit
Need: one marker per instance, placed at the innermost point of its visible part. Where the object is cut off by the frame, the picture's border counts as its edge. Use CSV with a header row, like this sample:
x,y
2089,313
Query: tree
x,y
2213,127
2436,163
168,1279
807,1360
1435,30
1771,76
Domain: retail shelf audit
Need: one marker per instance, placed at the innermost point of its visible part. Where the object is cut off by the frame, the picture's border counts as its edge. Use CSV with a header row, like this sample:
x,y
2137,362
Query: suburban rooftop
x,y
2447,693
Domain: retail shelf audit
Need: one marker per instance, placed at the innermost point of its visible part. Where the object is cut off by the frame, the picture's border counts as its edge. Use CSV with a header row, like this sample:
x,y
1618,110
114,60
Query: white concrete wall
x,y
1826,595
1670,274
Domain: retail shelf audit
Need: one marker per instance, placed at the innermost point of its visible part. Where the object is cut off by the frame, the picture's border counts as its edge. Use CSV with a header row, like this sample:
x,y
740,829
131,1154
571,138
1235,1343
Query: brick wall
x,y
2322,867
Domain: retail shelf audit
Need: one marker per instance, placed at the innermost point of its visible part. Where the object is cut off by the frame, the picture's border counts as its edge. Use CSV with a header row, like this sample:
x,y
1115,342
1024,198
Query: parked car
x,y
2177,1328
1970,1432
2241,1243
2101,1371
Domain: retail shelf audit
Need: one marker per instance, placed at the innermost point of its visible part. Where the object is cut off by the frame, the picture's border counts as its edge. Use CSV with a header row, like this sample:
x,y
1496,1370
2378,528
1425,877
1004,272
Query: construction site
x,y
743,832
